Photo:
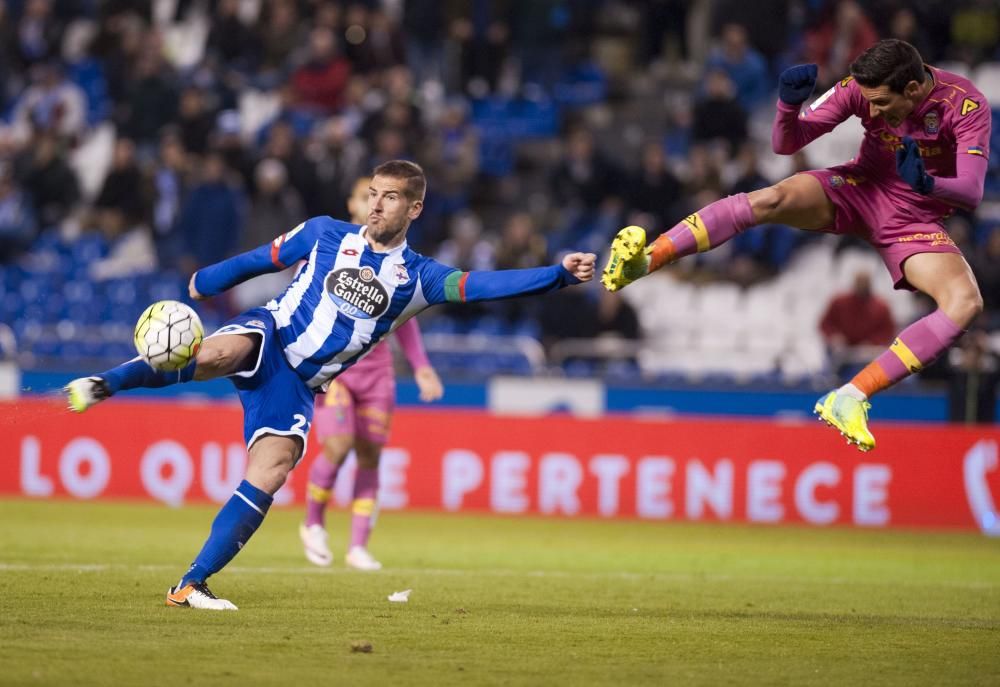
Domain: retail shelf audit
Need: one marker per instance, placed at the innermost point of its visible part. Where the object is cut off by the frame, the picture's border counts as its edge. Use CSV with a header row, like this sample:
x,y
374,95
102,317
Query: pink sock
x,y
363,506
918,345
322,475
711,226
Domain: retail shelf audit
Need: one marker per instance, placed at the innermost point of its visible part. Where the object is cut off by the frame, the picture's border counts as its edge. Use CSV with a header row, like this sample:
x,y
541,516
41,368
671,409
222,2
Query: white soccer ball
x,y
168,335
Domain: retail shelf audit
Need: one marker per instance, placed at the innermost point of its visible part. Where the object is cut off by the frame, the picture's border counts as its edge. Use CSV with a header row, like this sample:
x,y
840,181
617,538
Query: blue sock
x,y
231,529
137,372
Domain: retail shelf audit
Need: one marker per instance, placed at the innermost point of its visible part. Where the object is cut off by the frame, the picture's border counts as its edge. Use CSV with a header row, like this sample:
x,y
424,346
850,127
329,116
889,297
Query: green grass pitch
x,y
496,601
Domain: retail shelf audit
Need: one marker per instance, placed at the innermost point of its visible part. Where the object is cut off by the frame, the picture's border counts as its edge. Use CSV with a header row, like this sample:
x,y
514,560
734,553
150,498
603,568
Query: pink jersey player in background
x,y
924,153
355,413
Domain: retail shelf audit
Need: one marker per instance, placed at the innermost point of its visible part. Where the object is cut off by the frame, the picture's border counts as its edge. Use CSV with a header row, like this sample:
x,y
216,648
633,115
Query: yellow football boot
x,y
84,392
849,415
629,260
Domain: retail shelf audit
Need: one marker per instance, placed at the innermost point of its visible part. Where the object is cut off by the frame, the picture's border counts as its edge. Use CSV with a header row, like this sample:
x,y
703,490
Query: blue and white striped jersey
x,y
347,297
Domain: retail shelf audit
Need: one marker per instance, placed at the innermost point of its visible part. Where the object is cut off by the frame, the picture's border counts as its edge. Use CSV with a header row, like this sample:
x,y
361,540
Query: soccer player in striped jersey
x,y
358,284
924,153
355,413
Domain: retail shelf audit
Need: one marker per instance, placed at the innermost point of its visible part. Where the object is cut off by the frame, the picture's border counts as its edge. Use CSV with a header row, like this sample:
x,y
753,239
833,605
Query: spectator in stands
x,y
282,145
480,43
227,141
596,312
615,317
855,324
654,190
746,67
276,206
450,156
10,75
168,184
231,42
42,171
195,121
37,34
717,114
280,35
521,244
51,104
339,159
211,220
150,98
18,223
423,23
374,42
770,24
986,265
320,83
399,111
904,26
132,250
973,379
467,249
122,199
121,37
584,177
842,33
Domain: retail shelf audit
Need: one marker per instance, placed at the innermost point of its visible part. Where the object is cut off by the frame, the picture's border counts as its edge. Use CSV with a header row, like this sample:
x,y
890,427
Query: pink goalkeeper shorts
x,y
358,404
897,223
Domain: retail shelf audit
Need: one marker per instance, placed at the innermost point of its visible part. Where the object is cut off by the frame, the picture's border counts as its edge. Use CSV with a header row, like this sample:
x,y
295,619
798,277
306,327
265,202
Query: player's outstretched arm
x,y
792,131
454,286
285,250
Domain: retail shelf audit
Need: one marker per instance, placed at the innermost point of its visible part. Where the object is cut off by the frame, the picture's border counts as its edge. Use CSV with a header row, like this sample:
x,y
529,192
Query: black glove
x,y
910,167
796,84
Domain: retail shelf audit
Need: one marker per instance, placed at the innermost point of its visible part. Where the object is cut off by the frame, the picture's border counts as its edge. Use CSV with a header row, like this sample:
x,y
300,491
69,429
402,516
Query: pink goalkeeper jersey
x,y
951,126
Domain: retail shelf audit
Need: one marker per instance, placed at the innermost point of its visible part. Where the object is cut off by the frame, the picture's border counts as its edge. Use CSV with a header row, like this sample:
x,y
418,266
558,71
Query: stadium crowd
x,y
142,139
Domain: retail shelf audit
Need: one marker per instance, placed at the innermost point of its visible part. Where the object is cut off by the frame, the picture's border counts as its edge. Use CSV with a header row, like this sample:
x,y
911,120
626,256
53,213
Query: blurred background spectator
x,y
856,326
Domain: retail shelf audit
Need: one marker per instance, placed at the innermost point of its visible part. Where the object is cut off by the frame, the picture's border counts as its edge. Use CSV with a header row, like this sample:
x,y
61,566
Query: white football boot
x,y
359,559
314,544
198,595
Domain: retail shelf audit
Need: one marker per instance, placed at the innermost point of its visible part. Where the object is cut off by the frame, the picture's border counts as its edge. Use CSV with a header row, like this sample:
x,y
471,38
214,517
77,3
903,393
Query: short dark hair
x,y
890,62
410,172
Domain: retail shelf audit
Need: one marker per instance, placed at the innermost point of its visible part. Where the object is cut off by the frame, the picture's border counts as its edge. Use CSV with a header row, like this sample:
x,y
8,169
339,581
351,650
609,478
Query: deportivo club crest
x,y
932,123
836,181
357,293
402,276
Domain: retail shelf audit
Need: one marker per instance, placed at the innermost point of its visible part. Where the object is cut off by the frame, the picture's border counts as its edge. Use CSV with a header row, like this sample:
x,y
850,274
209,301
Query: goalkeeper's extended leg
x,y
846,408
219,356
711,226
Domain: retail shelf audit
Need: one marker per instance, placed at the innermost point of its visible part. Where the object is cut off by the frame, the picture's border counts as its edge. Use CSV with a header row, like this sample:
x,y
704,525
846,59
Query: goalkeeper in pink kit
x,y
924,153
355,413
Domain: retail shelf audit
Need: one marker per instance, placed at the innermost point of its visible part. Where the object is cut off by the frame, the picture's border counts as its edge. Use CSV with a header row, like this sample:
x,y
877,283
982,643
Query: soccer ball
x,y
168,335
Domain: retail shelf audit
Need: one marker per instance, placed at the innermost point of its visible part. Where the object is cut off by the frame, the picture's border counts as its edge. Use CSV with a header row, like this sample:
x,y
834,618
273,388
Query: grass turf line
x,y
496,601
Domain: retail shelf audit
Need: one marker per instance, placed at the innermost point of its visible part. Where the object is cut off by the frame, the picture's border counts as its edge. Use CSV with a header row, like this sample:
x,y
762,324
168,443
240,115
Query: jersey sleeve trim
x,y
454,286
276,251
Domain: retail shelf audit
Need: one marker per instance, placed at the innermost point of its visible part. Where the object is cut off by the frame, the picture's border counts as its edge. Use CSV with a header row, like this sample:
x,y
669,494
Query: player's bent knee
x,y
272,457
964,306
336,448
224,355
766,203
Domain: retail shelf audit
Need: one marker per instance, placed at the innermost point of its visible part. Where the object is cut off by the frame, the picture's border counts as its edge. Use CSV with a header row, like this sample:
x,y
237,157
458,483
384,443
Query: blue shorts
x,y
275,399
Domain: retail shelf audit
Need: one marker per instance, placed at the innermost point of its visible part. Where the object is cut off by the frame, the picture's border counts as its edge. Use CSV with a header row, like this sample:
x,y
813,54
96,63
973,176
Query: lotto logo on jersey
x,y
357,292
